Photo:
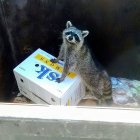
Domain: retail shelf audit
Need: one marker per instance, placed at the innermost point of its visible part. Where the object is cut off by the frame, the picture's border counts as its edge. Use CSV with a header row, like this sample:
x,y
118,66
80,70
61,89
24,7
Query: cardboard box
x,y
36,79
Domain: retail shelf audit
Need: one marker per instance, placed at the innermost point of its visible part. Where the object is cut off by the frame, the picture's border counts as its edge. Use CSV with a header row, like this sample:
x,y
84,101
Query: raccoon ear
x,y
85,33
68,24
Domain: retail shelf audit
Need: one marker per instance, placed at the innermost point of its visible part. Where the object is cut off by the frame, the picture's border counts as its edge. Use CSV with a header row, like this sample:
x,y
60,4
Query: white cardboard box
x,y
36,79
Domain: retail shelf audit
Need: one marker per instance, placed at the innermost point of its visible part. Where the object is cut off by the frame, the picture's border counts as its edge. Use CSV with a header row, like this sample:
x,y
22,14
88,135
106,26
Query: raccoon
x,y
76,54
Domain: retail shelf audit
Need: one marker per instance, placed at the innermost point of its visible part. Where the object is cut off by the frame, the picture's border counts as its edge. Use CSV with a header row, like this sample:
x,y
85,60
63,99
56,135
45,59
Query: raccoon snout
x,y
70,38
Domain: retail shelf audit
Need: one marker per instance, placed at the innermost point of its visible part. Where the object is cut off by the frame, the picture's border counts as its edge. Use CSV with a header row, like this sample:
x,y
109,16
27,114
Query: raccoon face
x,y
73,35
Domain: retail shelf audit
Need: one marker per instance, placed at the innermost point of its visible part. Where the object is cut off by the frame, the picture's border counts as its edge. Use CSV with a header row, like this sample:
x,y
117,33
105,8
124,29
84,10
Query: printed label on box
x,y
53,65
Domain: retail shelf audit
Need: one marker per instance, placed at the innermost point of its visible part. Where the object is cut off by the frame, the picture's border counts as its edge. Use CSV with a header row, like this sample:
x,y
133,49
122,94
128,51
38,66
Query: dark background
x,y
26,25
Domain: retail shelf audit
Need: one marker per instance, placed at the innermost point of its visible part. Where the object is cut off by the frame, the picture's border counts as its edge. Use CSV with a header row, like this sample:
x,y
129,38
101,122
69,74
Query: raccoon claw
x,y
53,60
59,80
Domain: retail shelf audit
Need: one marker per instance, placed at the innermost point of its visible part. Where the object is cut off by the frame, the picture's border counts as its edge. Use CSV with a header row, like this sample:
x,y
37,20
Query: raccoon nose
x,y
70,38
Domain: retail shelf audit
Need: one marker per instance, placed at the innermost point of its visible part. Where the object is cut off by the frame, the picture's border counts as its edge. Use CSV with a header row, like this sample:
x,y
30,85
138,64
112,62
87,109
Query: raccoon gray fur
x,y
75,53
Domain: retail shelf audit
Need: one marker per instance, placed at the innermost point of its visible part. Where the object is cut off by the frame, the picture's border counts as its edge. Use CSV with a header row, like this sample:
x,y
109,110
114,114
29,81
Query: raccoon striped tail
x,y
107,87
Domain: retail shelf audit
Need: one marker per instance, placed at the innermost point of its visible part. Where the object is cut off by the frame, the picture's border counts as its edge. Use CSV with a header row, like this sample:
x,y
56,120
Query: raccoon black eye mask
x,y
73,35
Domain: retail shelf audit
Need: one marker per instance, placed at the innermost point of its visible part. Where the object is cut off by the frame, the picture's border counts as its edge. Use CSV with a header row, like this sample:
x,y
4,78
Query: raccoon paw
x,y
59,80
54,60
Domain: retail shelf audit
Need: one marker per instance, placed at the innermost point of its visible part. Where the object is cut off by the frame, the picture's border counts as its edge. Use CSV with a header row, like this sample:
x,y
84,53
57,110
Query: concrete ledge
x,y
69,123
